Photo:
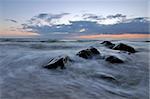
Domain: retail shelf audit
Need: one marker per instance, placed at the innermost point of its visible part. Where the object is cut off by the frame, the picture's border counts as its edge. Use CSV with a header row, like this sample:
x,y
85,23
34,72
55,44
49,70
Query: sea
x,y
22,75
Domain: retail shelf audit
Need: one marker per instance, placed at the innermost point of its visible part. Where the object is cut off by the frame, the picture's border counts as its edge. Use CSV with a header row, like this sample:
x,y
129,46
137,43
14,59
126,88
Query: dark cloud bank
x,y
134,25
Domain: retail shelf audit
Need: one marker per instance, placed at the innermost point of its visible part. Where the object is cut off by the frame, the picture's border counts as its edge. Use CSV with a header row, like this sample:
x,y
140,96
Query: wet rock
x,y
113,59
147,41
108,44
124,47
88,53
109,78
105,77
58,62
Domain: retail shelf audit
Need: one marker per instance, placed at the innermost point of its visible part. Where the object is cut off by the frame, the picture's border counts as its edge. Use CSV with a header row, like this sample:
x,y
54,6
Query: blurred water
x,y
22,75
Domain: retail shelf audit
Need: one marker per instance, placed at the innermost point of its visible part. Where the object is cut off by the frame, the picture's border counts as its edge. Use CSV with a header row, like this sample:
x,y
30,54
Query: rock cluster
x,y
89,53
113,59
120,46
108,44
58,62
124,47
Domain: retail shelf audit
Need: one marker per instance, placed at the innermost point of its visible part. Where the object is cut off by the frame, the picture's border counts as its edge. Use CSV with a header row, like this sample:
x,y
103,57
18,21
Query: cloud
x,y
87,23
139,19
50,16
92,16
46,19
42,15
98,17
116,16
11,20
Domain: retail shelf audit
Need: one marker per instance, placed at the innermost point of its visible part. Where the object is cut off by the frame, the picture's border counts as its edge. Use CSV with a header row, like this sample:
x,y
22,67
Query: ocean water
x,y
23,77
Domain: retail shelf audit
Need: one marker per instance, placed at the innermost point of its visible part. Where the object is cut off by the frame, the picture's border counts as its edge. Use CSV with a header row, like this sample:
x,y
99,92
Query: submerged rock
x,y
124,47
88,53
113,59
109,78
108,44
58,62
105,77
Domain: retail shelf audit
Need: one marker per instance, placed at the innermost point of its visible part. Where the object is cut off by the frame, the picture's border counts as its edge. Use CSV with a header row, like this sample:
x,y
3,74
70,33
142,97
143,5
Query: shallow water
x,y
22,75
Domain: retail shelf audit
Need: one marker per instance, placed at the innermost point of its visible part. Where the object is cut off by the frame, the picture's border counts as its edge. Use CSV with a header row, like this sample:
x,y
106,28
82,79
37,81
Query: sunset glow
x,y
116,36
18,33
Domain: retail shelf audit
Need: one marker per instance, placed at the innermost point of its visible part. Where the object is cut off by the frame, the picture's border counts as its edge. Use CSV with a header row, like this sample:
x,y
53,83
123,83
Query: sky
x,y
14,13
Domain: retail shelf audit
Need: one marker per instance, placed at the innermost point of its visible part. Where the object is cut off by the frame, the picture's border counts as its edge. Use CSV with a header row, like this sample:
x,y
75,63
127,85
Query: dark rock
x,y
105,77
113,59
108,44
109,78
88,53
58,62
146,41
124,47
